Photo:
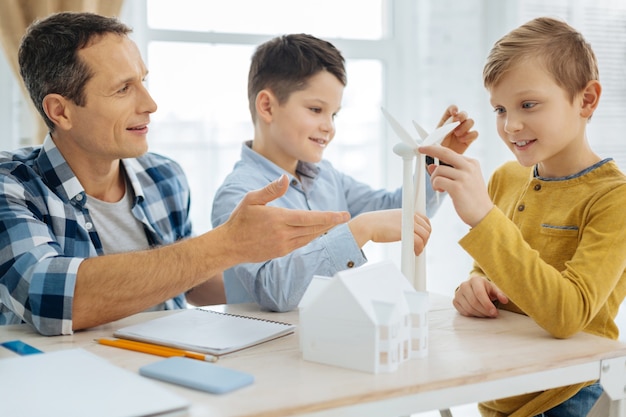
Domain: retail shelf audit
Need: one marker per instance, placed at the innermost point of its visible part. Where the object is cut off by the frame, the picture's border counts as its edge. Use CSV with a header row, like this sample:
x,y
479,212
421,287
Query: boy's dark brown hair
x,y
559,47
285,64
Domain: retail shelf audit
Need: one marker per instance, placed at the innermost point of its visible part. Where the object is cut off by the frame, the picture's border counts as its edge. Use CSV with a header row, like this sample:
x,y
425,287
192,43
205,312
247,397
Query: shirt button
x,y
88,225
537,187
294,182
350,264
79,197
521,207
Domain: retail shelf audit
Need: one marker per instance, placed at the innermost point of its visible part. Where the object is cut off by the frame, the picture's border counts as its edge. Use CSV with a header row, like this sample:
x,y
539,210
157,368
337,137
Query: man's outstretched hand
x,y
259,232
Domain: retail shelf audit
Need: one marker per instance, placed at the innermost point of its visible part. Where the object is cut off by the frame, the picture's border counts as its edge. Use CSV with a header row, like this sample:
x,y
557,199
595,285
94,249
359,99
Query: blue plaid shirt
x,y
46,230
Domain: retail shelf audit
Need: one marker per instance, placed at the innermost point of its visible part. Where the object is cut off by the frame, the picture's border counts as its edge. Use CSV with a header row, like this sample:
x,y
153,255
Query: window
x,y
415,58
204,130
10,105
199,58
325,18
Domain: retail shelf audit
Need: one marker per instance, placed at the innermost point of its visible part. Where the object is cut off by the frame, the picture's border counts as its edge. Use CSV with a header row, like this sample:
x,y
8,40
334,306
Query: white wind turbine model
x,y
414,191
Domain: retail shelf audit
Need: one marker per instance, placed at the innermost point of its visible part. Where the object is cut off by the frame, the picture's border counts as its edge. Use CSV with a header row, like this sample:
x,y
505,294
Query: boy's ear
x,y
264,103
590,98
55,107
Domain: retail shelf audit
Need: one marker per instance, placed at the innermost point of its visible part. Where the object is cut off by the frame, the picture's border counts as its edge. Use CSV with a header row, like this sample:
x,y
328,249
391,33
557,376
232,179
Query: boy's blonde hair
x,y
562,50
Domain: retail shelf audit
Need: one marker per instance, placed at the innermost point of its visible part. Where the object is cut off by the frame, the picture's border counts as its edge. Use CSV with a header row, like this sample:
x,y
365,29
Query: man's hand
x,y
476,296
259,232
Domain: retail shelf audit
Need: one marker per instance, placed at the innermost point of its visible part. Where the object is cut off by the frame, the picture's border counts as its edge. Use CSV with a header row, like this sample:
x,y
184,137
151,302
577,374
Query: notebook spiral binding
x,y
244,317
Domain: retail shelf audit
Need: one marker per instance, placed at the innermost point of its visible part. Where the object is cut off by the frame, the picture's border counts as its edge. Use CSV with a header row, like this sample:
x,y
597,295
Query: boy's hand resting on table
x,y
476,296
386,226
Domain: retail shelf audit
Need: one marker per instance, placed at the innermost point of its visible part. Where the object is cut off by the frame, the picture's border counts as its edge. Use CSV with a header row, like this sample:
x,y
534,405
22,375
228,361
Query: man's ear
x,y
590,98
265,103
56,108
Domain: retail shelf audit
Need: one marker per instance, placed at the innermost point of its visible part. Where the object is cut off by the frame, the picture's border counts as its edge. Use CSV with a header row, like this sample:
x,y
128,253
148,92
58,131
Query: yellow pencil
x,y
154,349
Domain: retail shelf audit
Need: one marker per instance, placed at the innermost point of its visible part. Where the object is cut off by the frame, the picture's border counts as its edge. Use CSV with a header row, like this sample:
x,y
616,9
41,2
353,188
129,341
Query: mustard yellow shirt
x,y
557,248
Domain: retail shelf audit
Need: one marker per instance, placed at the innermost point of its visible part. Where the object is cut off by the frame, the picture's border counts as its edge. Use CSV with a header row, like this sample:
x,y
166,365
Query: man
x,y
93,227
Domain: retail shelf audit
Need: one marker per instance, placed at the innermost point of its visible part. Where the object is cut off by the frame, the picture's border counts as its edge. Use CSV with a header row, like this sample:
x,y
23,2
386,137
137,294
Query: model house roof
x,y
378,289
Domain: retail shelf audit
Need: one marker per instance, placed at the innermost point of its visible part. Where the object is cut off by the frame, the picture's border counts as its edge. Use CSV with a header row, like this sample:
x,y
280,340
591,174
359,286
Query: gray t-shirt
x,y
118,229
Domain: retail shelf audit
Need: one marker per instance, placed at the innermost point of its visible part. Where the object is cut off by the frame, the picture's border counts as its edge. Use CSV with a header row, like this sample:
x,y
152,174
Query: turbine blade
x,y
399,130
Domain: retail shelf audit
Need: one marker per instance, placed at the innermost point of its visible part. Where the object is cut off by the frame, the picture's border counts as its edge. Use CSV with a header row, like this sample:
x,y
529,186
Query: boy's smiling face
x,y
300,128
538,121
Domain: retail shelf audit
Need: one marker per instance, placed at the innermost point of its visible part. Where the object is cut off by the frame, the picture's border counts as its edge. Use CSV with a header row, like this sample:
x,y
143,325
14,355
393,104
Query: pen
x,y
154,349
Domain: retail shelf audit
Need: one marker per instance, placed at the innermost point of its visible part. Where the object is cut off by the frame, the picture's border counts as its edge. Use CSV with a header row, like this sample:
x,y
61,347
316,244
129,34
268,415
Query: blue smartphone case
x,y
20,347
192,373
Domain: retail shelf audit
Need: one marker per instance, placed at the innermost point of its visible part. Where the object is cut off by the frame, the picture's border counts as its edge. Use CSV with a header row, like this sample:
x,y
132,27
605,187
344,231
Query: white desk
x,y
470,360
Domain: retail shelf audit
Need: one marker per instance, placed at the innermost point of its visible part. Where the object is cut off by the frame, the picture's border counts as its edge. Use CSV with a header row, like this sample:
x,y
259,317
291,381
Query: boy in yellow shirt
x,y
548,235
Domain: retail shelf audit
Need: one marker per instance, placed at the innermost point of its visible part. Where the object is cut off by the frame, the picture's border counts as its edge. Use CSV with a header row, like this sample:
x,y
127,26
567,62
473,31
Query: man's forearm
x,y
115,286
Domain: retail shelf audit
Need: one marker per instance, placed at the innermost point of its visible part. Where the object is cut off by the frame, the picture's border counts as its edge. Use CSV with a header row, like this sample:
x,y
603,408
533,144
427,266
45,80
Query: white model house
x,y
369,319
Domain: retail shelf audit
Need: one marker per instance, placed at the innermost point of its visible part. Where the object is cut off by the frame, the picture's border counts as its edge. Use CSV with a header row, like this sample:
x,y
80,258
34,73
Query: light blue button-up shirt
x,y
280,283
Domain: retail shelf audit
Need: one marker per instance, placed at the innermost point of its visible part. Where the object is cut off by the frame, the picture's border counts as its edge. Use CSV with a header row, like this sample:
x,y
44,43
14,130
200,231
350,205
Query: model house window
x,y
383,333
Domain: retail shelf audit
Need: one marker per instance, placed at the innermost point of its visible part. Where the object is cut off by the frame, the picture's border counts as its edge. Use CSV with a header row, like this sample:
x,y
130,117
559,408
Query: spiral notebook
x,y
206,331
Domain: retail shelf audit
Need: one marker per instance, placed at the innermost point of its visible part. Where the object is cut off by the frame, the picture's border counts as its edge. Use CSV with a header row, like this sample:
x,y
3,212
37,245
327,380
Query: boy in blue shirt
x,y
295,89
